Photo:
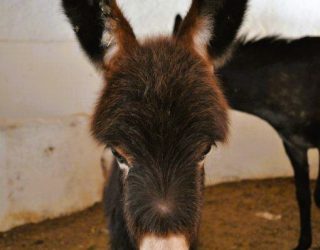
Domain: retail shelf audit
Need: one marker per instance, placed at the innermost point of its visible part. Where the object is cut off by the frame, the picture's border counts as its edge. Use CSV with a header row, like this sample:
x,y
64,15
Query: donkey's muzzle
x,y
170,242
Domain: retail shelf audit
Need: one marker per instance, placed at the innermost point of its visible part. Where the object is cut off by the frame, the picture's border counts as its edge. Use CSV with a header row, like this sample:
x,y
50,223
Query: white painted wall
x,y
48,167
288,19
43,74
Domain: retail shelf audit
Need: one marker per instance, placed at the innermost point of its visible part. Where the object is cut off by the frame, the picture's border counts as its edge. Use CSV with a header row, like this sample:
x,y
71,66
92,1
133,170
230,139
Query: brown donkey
x,y
160,112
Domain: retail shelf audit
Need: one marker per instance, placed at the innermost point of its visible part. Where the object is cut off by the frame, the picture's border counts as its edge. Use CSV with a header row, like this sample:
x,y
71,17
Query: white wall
x,y
43,74
48,167
282,18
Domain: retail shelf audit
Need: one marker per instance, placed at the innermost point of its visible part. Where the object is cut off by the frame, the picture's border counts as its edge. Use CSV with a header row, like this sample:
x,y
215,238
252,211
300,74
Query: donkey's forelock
x,y
161,96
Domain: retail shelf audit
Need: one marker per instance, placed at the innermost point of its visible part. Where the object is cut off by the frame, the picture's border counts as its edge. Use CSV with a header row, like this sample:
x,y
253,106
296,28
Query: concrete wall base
x,y
48,168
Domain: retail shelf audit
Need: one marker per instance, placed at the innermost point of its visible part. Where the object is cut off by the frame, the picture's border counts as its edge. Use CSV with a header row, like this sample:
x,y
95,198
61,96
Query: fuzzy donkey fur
x,y
160,112
278,81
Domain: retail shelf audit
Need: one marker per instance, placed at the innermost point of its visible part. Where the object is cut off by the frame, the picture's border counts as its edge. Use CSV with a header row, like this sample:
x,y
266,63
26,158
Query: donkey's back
x,y
284,86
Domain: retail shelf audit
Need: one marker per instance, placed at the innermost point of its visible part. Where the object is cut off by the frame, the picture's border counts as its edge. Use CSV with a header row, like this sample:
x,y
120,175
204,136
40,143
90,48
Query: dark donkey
x,y
160,112
278,81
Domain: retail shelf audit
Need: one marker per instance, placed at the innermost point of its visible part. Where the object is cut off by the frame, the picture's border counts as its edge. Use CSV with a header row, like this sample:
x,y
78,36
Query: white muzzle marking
x,y
171,242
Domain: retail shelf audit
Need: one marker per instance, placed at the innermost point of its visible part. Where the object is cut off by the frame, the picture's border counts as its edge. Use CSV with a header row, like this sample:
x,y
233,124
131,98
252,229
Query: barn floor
x,y
245,215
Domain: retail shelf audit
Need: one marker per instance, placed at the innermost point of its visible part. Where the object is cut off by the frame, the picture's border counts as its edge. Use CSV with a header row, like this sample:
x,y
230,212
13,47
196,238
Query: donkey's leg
x,y
299,160
118,233
317,191
85,17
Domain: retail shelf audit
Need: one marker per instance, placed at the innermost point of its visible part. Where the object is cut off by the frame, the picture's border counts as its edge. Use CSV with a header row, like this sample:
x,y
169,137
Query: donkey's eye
x,y
121,160
119,157
207,150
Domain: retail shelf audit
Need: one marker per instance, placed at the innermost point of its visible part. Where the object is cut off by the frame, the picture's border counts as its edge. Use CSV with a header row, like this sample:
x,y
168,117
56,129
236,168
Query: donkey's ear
x,y
118,36
196,29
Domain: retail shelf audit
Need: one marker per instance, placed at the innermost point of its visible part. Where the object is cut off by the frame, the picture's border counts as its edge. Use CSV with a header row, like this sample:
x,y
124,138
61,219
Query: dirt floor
x,y
245,215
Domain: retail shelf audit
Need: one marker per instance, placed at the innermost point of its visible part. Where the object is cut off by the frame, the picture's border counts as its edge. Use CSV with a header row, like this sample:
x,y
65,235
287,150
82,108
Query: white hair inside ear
x,y
202,36
109,43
